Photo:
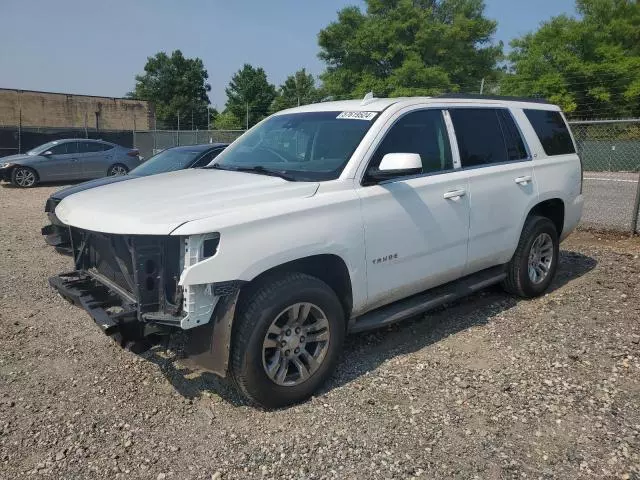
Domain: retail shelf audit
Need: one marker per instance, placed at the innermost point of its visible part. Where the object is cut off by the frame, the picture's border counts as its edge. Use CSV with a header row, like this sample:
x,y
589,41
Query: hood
x,y
19,158
65,192
158,204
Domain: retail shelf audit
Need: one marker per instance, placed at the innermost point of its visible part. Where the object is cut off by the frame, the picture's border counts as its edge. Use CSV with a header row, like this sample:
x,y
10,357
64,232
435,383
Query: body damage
x,y
227,228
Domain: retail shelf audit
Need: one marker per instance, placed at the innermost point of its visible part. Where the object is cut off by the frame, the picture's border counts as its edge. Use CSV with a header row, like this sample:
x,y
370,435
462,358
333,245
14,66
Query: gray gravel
x,y
489,388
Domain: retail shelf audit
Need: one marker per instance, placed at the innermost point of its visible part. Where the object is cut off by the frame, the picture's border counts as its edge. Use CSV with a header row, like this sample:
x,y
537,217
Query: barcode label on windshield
x,y
357,115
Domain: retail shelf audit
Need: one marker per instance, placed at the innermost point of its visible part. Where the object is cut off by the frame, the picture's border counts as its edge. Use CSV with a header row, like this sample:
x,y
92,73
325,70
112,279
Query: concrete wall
x,y
44,109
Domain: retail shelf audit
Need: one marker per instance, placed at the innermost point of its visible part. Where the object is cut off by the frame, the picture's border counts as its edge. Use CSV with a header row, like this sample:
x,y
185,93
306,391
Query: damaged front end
x,y
130,286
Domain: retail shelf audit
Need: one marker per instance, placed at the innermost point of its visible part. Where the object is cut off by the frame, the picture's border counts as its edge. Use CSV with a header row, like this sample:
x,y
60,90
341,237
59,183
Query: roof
x,y
380,104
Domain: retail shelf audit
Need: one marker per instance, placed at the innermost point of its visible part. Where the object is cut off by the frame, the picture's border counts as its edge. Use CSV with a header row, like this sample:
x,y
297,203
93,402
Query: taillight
x,y
134,153
581,174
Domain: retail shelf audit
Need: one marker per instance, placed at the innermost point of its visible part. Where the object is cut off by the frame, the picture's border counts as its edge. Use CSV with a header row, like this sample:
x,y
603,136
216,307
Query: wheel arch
x,y
209,346
30,167
328,267
553,209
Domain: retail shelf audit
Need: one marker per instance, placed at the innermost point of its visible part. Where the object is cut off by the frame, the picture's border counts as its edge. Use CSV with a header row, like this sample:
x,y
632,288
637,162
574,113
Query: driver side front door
x,y
62,164
416,227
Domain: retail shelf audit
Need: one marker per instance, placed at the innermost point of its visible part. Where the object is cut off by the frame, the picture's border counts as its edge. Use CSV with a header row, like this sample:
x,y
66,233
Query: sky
x,y
97,47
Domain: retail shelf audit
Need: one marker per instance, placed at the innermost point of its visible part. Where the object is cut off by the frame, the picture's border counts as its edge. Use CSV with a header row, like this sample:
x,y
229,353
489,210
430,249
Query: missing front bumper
x,y
116,314
111,310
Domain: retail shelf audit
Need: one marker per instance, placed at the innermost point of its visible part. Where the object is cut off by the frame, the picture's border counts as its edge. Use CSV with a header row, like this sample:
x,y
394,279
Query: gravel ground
x,y
489,388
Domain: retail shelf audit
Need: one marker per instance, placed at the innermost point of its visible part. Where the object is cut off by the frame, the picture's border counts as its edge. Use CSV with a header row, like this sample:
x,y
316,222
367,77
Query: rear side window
x,y
512,137
89,147
423,132
552,131
479,135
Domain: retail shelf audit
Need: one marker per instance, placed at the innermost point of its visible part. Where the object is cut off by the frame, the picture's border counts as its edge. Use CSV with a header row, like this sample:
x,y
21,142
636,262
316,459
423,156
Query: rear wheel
x,y
287,339
117,169
24,177
534,264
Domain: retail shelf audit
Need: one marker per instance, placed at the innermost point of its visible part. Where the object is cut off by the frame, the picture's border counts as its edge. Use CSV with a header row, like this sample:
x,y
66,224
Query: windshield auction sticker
x,y
357,115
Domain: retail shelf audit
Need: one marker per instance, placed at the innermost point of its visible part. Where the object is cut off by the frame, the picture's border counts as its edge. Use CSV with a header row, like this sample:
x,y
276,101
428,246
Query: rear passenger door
x,y
96,158
501,180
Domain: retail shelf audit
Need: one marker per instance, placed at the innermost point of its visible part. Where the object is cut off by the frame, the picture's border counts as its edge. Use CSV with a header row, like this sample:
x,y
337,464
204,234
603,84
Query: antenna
x,y
367,98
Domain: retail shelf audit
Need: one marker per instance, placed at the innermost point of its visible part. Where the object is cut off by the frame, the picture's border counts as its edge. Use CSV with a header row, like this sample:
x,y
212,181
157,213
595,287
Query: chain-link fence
x,y
152,141
19,139
610,152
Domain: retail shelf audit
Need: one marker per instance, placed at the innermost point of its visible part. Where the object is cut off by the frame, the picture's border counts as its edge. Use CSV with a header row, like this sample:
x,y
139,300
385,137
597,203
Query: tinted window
x,y
64,148
167,161
89,147
422,132
512,137
105,146
206,158
479,136
552,131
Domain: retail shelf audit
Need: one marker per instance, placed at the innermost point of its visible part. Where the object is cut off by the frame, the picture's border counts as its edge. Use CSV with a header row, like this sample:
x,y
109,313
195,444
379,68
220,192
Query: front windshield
x,y
307,146
167,161
43,148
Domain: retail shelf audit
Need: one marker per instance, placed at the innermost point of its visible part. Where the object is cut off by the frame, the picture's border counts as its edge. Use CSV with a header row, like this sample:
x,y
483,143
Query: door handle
x,y
454,194
523,180
74,159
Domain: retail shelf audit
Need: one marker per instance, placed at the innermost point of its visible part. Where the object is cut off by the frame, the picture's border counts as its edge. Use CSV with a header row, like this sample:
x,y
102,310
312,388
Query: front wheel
x,y
287,339
534,264
117,169
24,177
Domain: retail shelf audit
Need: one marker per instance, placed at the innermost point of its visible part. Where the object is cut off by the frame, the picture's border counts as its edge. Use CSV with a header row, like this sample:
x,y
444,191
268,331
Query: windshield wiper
x,y
259,169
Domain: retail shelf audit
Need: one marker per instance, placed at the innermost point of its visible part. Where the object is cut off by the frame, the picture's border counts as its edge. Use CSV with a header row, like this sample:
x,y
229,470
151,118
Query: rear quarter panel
x,y
558,176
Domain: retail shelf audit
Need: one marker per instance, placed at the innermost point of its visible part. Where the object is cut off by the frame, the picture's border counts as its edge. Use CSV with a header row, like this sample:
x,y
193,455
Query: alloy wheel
x,y
296,344
540,258
25,177
117,170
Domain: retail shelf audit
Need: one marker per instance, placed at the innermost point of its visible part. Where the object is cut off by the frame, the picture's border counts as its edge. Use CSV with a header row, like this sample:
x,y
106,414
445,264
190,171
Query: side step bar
x,y
428,300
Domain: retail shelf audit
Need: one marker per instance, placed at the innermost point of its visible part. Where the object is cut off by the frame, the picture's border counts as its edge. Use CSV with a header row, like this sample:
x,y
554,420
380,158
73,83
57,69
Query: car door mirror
x,y
48,153
397,165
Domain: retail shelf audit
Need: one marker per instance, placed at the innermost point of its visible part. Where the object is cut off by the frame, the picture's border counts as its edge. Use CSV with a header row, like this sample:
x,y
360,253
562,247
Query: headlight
x,y
6,165
200,247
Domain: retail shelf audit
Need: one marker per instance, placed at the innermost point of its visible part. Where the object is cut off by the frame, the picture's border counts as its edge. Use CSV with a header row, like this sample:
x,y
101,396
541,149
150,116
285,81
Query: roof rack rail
x,y
475,96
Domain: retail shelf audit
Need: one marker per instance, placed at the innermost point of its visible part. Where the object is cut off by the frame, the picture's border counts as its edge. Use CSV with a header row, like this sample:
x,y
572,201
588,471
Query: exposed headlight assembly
x,y
199,300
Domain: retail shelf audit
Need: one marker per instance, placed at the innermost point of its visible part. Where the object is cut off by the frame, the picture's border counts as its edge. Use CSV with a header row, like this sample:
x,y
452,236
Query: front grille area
x,y
146,267
111,256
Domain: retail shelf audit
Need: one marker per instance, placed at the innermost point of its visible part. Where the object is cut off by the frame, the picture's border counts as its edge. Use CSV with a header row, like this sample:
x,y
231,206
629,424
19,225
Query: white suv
x,y
326,219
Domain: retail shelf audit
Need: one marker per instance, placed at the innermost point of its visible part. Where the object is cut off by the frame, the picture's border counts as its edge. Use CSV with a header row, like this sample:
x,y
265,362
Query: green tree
x,y
408,47
298,89
177,86
227,121
249,92
589,65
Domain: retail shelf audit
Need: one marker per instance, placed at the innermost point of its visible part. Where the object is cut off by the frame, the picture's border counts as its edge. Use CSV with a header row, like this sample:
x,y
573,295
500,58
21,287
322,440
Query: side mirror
x,y
48,153
397,165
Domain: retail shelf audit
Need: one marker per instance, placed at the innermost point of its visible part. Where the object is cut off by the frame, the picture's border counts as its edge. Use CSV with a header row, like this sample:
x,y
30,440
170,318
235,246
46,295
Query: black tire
x,y
16,177
117,166
518,281
255,314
